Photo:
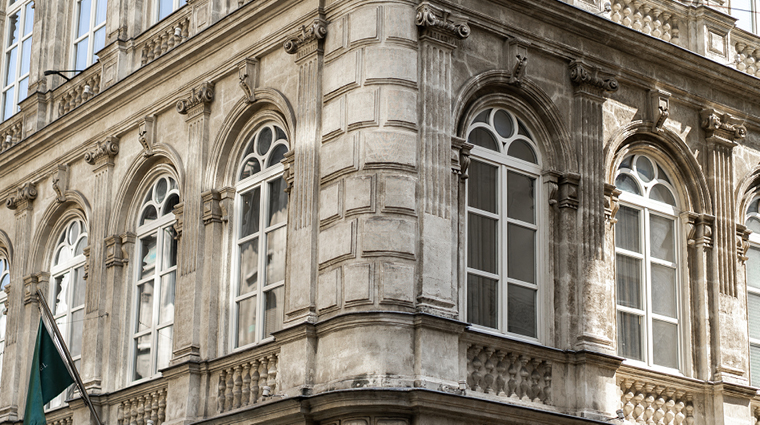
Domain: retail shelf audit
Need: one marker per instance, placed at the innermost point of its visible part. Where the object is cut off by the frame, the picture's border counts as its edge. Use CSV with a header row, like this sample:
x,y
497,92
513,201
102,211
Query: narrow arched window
x,y
67,291
503,225
156,270
5,280
648,289
260,233
753,289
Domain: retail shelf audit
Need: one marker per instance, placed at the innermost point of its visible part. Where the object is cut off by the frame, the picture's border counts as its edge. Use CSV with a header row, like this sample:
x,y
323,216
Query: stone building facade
x,y
473,211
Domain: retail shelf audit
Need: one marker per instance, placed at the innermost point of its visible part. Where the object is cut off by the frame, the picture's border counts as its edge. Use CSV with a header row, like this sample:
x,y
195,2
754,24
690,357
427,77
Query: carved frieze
x,y
722,127
247,73
24,196
611,202
590,79
307,39
146,135
437,24
659,108
200,96
103,152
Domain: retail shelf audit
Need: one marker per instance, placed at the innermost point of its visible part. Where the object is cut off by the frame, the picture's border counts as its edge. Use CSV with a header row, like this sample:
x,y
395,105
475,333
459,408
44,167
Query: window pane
x,y
665,344
483,138
249,223
29,18
166,308
8,104
142,357
250,168
520,197
629,335
13,22
264,141
628,279
246,331
273,310
148,250
521,311
144,306
661,237
100,12
521,250
482,301
742,10
753,308
482,239
64,255
99,41
626,183
278,202
79,250
61,289
753,267
164,347
23,90
5,281
662,194
482,185
26,58
521,149
84,18
664,298
753,224
277,155
75,340
249,266
164,8
754,364
627,229
81,54
10,58
276,256
645,169
77,298
503,123
170,248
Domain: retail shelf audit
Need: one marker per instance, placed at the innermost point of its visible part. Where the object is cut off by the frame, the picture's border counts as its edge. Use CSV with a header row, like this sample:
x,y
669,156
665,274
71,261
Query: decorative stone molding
x,y
517,56
721,127
103,152
585,77
140,409
742,242
306,40
248,75
699,229
659,108
146,134
611,202
32,283
11,133
509,374
243,384
60,182
648,17
25,194
645,402
166,39
212,211
437,24
289,174
203,96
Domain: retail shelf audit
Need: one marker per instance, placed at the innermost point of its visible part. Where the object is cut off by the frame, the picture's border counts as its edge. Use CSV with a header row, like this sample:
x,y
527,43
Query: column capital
x,y
306,40
25,195
103,152
589,80
198,101
438,24
722,128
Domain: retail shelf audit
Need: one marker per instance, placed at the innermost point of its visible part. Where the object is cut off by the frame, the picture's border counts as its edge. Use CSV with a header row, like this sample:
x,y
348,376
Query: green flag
x,y
48,378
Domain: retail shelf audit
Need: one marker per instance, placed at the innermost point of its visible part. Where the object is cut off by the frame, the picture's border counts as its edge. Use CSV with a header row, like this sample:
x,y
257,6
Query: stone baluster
x,y
236,389
162,407
228,396
221,388
255,377
246,390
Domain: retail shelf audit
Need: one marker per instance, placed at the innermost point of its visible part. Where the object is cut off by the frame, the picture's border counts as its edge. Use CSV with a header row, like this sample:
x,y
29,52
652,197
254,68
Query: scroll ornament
x,y
317,30
427,17
202,95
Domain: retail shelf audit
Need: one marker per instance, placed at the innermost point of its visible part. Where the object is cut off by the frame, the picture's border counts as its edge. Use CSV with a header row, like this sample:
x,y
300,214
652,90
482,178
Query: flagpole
x,y
49,315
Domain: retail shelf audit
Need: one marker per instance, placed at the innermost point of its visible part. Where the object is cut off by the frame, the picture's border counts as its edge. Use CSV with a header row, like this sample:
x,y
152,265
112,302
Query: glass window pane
x,y
148,254
521,250
169,251
276,256
64,255
169,205
98,42
753,224
273,310
482,117
10,63
144,306
9,104
249,221
75,340
502,122
166,308
277,155
645,169
278,202
627,229
79,250
665,344
753,310
482,186
100,12
629,336
164,347
753,267
83,18
142,357
246,330
249,266
161,188
521,202
483,138
165,7
61,289
661,193
26,58
521,149
78,288
754,364
664,298
81,54
148,215
4,282
628,279
521,311
482,301
482,240
661,231
626,183
28,18
264,141
742,10
13,22
250,168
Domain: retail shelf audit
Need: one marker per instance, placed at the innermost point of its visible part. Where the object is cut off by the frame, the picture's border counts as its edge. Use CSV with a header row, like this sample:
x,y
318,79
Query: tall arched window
x,y
5,280
67,291
262,209
753,290
503,224
647,265
155,276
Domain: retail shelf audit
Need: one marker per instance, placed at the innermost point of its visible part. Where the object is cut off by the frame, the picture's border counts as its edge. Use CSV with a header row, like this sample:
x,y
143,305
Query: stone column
x,y
115,360
437,287
727,300
16,370
595,296
700,253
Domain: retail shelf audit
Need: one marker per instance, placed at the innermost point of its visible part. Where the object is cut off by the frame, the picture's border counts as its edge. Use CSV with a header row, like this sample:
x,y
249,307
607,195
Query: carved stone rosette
x,y
202,95
585,77
24,196
103,151
308,36
433,20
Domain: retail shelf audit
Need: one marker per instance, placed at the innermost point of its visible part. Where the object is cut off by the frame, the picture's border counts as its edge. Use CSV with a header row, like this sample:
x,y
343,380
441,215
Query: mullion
x,y
502,209
158,290
263,217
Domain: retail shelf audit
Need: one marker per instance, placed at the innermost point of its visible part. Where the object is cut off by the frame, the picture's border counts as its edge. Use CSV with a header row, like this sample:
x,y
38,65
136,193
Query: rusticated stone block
x,y
390,149
389,236
337,242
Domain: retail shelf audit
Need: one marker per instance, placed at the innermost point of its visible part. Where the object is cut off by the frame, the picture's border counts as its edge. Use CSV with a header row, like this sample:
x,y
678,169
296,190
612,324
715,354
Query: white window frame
x,y
16,83
176,5
89,34
754,241
753,9
155,227
4,273
505,164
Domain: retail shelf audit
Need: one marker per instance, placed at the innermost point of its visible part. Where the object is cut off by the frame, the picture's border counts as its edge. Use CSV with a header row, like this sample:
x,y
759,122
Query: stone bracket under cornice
x,y
199,100
307,39
248,74
438,24
25,195
103,152
590,79
722,128
659,108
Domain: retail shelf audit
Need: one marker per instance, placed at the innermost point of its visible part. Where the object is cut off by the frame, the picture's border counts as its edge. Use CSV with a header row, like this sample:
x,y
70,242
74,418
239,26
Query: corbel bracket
x,y
103,152
438,24
659,108
60,182
590,79
722,128
25,194
147,134
248,75
611,202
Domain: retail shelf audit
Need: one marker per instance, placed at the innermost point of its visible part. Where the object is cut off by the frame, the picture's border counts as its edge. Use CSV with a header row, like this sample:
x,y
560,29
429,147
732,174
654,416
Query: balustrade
x,y
165,39
79,90
648,17
11,132
243,384
68,420
140,409
645,402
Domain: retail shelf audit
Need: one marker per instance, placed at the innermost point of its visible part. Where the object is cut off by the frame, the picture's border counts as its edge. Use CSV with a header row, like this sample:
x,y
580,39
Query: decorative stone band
x,y
583,75
202,95
103,151
139,410
722,126
315,31
649,403
243,385
25,194
431,18
508,374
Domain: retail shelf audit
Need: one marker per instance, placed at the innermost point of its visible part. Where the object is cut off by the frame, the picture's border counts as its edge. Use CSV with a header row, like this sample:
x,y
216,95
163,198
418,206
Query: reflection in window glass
x,y
18,49
90,32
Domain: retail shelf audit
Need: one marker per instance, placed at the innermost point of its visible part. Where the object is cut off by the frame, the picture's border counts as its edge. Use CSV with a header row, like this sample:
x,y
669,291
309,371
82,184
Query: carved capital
x,y
113,251
23,198
179,214
437,24
587,78
146,135
659,108
127,241
568,190
742,242
307,39
103,152
722,128
611,202
200,96
33,282
227,195
699,229
247,73
212,211
460,156
288,174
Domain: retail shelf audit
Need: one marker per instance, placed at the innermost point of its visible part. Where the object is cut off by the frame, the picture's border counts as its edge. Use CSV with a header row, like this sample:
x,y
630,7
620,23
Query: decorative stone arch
x,y
6,247
526,100
673,154
165,160
53,221
270,105
747,189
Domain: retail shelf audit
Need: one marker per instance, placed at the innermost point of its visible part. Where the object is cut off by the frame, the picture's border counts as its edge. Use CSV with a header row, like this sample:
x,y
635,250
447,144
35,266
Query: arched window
x,y
5,280
753,290
67,291
155,275
262,209
648,292
503,225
